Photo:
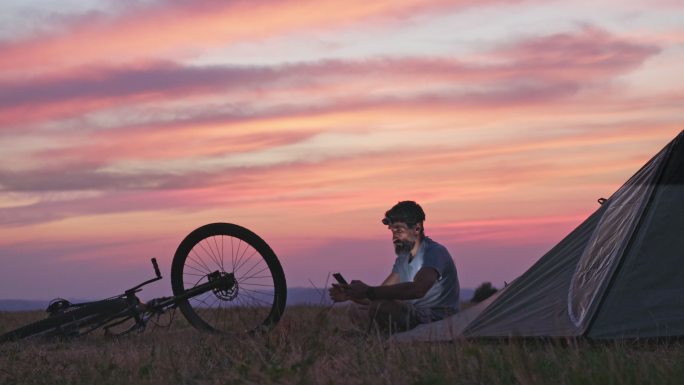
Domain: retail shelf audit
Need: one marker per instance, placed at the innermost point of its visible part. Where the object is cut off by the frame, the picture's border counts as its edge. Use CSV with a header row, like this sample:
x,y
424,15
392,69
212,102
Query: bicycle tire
x,y
79,317
235,312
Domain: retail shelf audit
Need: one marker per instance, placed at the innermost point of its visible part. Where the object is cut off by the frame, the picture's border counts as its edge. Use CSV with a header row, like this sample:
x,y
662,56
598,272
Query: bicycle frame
x,y
240,288
142,312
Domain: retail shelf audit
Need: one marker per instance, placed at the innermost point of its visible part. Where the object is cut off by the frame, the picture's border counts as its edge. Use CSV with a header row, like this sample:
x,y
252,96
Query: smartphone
x,y
340,279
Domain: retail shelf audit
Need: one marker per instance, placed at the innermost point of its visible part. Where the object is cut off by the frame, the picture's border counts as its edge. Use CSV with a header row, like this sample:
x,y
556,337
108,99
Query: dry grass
x,y
314,345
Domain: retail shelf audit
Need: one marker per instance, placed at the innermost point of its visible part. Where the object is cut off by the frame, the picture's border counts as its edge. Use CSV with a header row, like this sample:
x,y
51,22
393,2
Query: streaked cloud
x,y
540,67
191,27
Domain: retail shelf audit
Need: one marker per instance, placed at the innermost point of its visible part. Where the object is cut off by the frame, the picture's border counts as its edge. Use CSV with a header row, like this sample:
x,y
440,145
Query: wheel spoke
x,y
203,264
232,254
222,254
242,279
245,261
240,262
215,251
209,253
237,254
253,266
219,252
197,270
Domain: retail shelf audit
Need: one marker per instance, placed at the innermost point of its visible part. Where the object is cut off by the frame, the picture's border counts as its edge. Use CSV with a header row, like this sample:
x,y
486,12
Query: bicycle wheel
x,y
257,299
70,322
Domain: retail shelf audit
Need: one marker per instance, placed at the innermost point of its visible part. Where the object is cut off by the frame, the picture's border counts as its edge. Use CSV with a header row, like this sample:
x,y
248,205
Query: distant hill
x,y
22,305
307,296
295,296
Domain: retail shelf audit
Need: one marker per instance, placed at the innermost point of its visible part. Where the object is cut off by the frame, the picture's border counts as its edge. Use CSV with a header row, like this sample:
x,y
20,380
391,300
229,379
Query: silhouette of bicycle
x,y
225,279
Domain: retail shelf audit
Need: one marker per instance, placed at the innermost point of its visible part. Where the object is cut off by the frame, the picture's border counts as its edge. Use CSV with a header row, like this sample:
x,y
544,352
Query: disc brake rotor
x,y
228,292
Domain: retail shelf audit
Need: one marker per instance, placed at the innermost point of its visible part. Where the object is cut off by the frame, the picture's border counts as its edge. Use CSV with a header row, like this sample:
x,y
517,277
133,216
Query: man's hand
x,y
338,293
357,290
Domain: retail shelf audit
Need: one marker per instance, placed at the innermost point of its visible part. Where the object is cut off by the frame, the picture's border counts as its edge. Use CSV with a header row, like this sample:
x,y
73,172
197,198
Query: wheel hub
x,y
228,290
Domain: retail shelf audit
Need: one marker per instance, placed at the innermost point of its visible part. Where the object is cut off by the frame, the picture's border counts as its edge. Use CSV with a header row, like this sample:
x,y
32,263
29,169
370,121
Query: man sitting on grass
x,y
423,285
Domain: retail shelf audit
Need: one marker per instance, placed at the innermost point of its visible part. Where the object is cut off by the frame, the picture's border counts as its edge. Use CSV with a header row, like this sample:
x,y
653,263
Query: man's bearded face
x,y
403,238
403,246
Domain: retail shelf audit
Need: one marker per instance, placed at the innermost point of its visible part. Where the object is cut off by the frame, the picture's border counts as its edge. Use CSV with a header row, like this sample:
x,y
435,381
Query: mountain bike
x,y
224,278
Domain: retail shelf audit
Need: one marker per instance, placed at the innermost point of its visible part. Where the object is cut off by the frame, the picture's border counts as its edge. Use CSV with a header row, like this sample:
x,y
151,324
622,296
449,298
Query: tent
x,y
619,274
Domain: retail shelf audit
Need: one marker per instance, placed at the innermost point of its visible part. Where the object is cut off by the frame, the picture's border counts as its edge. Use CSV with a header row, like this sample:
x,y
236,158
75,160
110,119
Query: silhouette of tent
x,y
619,274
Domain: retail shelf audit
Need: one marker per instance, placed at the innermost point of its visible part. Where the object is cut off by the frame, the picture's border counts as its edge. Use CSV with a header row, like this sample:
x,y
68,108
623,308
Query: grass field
x,y
314,345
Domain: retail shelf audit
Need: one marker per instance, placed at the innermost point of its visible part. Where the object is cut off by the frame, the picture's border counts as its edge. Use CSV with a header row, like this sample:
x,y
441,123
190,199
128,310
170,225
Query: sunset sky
x,y
124,125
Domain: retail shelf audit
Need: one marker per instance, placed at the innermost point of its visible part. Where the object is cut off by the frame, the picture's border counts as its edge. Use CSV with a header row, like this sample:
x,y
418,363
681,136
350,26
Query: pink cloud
x,y
509,230
592,52
173,28
111,146
485,169
534,71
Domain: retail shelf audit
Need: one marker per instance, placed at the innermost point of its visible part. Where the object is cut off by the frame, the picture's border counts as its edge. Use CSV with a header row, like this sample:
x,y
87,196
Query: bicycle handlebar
x,y
157,278
156,268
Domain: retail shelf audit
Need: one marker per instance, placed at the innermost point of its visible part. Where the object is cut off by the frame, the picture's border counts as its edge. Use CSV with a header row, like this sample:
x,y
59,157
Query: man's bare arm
x,y
423,281
391,279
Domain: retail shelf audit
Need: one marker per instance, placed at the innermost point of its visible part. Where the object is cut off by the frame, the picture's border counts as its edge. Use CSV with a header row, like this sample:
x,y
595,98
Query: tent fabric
x,y
646,298
609,241
619,274
535,304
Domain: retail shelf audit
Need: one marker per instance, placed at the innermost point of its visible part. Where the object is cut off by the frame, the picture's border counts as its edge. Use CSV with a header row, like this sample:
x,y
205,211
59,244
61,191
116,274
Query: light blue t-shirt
x,y
443,297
